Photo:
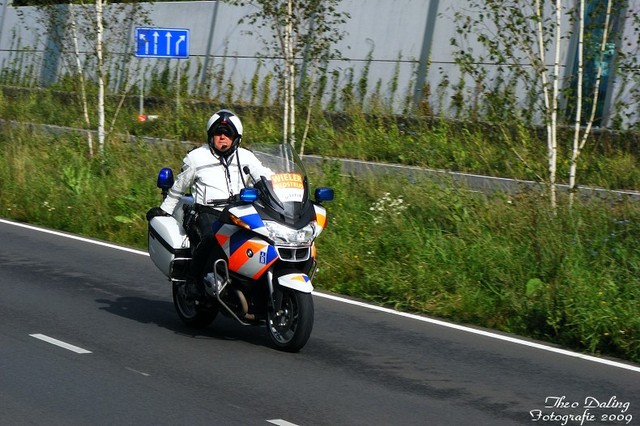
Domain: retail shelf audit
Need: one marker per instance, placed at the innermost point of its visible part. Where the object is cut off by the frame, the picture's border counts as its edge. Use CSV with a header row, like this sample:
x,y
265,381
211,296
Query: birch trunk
x,y
83,91
550,101
292,78
101,76
287,77
553,148
578,118
580,141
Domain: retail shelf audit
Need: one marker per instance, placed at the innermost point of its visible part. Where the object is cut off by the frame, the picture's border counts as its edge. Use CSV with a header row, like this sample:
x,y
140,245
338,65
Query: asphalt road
x,y
88,336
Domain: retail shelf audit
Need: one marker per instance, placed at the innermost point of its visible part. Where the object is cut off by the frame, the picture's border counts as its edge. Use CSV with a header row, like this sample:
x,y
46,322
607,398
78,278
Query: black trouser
x,y
203,241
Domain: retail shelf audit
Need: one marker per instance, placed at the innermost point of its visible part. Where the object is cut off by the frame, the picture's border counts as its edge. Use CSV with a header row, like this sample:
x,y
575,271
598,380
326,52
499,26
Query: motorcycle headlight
x,y
282,234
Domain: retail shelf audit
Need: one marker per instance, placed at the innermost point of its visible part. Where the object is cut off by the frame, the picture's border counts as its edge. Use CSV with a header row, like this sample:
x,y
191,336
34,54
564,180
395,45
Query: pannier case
x,y
169,246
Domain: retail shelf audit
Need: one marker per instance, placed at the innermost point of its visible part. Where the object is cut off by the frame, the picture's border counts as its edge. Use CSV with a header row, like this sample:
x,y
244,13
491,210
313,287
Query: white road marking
x,y
71,236
137,372
441,323
281,422
483,333
60,343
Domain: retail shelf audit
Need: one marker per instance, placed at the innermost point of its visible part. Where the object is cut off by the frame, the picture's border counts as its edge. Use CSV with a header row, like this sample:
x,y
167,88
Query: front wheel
x,y
290,326
189,311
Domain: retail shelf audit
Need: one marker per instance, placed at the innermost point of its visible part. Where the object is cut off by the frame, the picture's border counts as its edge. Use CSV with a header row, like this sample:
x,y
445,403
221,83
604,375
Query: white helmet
x,y
224,121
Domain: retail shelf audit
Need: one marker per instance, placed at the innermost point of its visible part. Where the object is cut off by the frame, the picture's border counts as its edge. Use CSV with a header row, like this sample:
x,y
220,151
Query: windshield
x,y
279,158
284,192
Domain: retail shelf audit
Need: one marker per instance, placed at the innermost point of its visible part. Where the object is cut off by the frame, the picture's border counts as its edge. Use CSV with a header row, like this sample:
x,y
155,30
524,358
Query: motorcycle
x,y
267,234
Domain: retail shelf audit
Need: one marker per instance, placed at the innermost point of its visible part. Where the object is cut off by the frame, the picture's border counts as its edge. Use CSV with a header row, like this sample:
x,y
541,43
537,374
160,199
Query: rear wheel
x,y
290,326
191,313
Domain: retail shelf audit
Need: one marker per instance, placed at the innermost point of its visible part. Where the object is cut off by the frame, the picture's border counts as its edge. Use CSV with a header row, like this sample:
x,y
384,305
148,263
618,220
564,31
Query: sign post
x,y
163,43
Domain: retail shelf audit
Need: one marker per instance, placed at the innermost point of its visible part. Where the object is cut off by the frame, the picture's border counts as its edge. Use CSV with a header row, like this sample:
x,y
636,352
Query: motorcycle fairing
x,y
248,214
248,254
296,281
250,217
321,217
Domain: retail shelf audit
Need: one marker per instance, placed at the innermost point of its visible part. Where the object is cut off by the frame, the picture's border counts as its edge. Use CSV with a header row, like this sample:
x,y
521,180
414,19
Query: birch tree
x,y
100,72
81,82
579,141
298,32
80,31
531,41
522,39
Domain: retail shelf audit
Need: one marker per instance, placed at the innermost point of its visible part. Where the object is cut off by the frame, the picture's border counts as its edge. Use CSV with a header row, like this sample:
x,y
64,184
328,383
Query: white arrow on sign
x,y
143,37
180,40
155,42
168,36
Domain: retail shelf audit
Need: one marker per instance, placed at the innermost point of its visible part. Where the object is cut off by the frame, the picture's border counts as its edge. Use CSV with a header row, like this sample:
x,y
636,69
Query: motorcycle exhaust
x,y
245,306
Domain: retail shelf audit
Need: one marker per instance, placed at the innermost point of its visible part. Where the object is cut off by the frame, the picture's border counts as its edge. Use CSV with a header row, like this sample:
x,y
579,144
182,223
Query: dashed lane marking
x,y
60,343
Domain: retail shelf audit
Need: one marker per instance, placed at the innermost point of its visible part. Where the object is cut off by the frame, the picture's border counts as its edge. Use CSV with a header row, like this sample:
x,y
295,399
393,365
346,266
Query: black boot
x,y
193,290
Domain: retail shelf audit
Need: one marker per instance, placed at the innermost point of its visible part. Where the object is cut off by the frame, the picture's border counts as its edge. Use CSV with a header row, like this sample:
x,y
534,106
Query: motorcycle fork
x,y
275,297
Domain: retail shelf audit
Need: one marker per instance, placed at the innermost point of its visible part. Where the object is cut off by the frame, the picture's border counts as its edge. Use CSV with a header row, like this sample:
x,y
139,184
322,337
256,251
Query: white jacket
x,y
210,177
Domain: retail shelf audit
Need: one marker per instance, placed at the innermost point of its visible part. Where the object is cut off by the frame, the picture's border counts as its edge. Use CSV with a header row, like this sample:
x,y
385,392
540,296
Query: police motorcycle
x,y
267,234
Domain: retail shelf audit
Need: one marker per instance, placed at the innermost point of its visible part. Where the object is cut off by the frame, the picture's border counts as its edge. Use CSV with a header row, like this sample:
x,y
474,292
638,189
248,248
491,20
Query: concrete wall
x,y
408,41
623,96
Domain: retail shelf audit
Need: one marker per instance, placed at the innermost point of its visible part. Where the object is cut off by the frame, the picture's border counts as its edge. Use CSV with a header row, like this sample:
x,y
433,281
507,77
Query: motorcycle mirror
x,y
248,195
324,194
165,178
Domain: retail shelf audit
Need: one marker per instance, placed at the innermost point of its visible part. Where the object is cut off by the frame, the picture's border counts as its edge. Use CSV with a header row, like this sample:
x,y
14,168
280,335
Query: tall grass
x,y
506,262
510,150
570,277
48,180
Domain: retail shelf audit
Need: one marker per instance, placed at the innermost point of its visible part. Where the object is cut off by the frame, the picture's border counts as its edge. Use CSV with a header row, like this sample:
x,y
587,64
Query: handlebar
x,y
223,201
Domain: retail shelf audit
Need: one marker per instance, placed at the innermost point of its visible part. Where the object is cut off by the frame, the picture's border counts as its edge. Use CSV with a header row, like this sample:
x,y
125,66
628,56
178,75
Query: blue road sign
x,y
166,43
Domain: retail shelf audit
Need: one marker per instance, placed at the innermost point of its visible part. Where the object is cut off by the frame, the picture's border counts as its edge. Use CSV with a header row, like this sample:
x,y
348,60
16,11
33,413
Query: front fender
x,y
296,281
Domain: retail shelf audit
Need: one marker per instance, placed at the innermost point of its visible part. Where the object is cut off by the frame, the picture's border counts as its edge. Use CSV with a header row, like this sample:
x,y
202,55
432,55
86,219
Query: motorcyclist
x,y
212,172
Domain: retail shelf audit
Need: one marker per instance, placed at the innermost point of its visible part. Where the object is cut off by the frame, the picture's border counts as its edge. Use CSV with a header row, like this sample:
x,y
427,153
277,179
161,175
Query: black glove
x,y
156,211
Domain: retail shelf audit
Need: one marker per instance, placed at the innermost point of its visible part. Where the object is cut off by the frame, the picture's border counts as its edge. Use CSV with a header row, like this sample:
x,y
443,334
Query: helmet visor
x,y
226,130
